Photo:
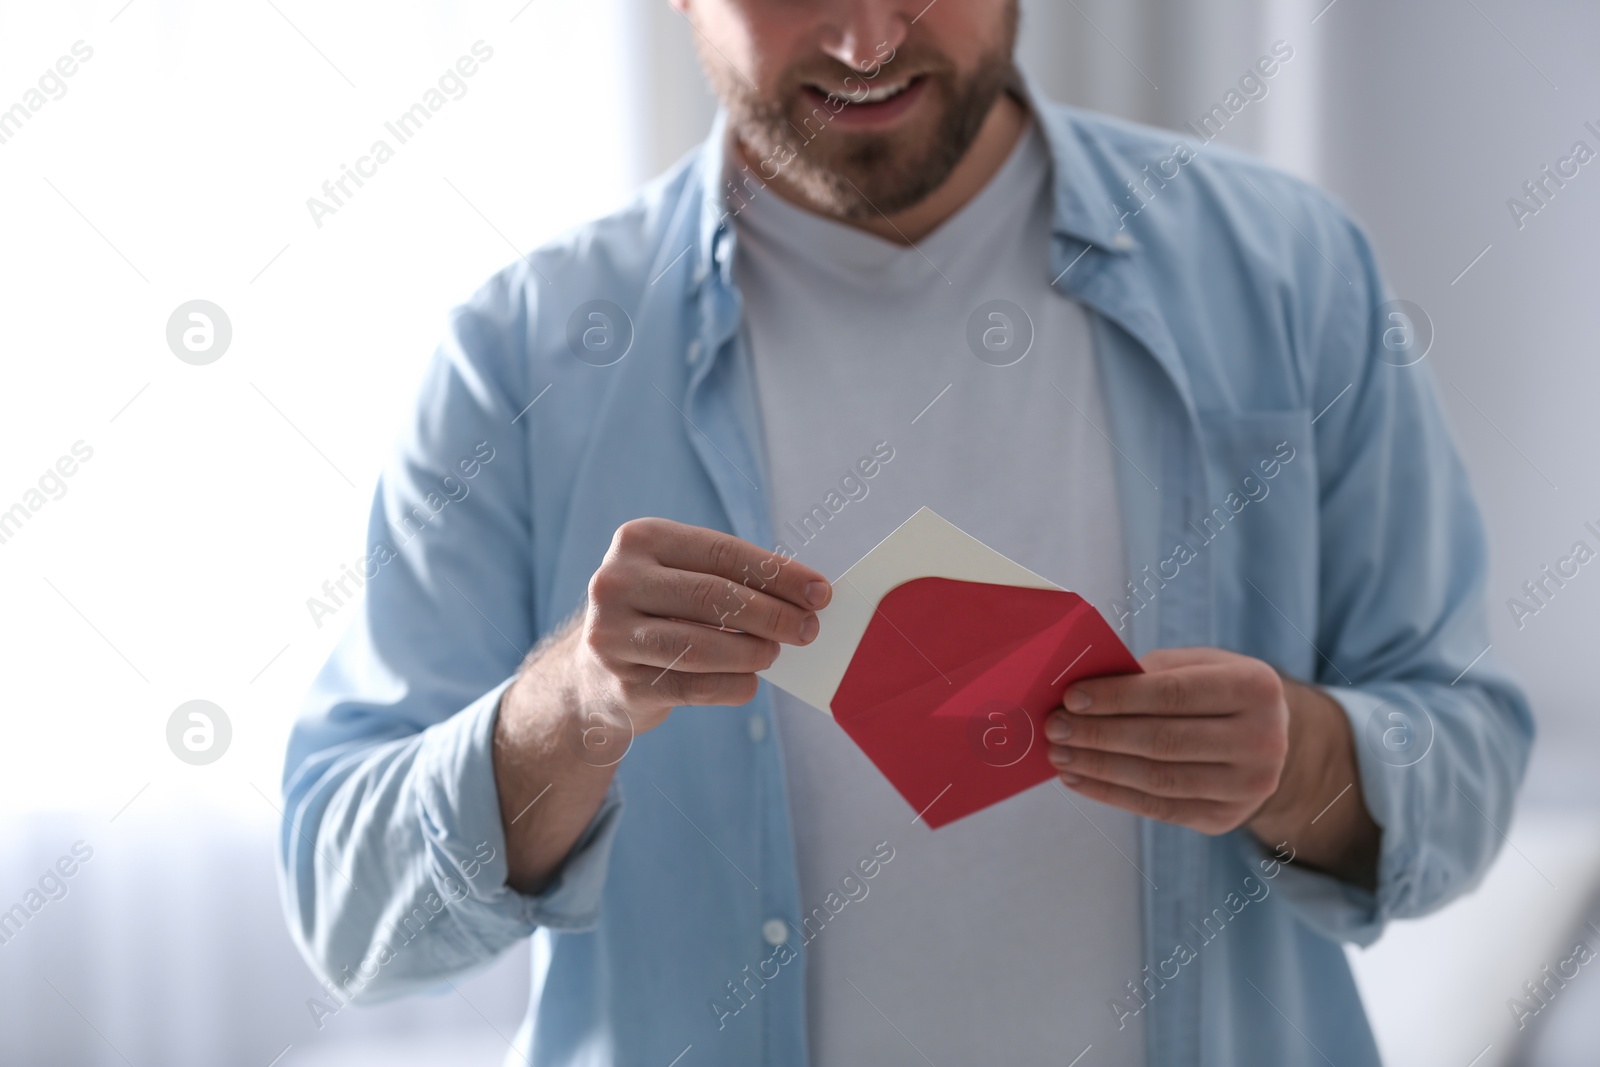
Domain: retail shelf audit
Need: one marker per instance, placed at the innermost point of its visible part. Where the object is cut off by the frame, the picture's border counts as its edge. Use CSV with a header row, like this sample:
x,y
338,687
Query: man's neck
x,y
998,135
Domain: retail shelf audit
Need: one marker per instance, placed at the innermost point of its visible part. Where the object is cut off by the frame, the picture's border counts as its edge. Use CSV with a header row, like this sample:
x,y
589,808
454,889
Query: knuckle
x,y
1262,685
674,687
645,641
1174,694
604,583
685,688
1086,737
722,553
1086,761
706,594
683,654
1155,807
632,535
594,647
1165,741
1162,780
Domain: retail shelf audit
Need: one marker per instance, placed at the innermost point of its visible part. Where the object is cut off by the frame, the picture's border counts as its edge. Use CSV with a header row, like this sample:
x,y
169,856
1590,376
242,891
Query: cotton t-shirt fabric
x,y
970,386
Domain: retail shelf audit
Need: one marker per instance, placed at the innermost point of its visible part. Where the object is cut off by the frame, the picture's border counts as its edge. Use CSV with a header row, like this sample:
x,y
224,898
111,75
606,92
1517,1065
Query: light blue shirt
x,y
1289,491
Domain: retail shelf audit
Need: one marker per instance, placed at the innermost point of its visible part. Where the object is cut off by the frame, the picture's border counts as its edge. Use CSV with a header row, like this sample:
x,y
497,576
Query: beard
x,y
854,174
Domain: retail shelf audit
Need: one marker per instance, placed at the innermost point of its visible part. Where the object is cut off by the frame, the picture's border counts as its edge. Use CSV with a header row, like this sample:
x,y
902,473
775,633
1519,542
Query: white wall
x,y
1432,120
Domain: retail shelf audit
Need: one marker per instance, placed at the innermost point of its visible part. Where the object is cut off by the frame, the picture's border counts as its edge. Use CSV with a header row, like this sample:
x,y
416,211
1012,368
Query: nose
x,y
863,34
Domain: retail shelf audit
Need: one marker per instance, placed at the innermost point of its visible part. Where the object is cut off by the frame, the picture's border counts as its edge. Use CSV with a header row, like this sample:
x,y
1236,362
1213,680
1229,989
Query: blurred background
x,y
178,516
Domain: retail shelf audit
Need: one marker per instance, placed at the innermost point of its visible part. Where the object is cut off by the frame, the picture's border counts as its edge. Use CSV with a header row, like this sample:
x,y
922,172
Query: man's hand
x,y
684,615
676,615
1213,740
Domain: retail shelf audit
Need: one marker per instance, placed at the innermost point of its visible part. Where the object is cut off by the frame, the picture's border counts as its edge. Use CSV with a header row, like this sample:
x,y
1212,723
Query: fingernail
x,y
816,593
808,629
1057,729
1060,754
1071,779
1075,699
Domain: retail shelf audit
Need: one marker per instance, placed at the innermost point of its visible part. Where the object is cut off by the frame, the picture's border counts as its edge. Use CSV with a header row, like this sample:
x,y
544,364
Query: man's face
x,y
864,106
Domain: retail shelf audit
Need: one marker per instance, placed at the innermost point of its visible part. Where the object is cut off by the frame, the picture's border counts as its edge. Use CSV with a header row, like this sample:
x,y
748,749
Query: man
x,y
894,277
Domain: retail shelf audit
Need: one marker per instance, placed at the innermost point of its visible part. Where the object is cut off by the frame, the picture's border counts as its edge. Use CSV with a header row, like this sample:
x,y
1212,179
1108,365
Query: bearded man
x,y
894,276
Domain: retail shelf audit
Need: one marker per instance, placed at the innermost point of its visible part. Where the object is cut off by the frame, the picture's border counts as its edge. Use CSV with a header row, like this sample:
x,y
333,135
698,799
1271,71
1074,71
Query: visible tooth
x,y
874,95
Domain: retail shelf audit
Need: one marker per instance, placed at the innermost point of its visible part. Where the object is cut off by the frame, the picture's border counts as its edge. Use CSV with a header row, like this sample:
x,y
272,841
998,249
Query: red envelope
x,y
948,688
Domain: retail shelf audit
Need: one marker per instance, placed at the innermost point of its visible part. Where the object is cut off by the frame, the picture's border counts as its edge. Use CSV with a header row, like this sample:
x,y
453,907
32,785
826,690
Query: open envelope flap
x,y
969,735
923,546
928,629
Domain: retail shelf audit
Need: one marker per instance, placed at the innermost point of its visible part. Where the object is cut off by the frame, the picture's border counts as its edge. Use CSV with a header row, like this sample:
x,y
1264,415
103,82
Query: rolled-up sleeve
x,y
1442,733
392,852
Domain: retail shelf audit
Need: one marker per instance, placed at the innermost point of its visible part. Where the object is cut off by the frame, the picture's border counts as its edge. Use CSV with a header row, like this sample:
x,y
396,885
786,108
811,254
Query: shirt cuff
x,y
1334,908
464,841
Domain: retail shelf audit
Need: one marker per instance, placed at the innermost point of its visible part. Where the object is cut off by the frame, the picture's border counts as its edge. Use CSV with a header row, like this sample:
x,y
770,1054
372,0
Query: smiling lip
x,y
865,116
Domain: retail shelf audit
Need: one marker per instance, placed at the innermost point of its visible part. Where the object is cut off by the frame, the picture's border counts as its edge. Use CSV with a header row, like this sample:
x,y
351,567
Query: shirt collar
x,y
1084,203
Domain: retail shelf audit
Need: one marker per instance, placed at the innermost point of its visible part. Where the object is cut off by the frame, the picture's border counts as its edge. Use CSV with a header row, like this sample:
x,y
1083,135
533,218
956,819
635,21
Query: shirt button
x,y
694,351
1122,241
775,931
758,728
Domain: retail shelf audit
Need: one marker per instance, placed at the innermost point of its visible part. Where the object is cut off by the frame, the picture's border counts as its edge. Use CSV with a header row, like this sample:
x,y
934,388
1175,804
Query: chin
x,y
863,174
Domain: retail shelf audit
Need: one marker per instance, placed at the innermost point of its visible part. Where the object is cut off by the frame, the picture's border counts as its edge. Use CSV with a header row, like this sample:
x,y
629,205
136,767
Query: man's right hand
x,y
684,615
676,615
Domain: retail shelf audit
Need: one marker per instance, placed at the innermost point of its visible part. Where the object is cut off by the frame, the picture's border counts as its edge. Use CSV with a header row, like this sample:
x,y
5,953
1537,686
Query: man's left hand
x,y
1213,740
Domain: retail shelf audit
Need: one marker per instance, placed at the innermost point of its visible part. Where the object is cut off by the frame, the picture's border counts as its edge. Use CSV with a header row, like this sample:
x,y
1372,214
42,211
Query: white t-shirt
x,y
999,938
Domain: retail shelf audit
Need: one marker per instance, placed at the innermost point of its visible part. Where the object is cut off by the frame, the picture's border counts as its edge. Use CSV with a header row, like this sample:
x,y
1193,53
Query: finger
x,y
680,688
1182,739
1165,659
1207,816
1206,689
687,646
694,548
721,602
1195,781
